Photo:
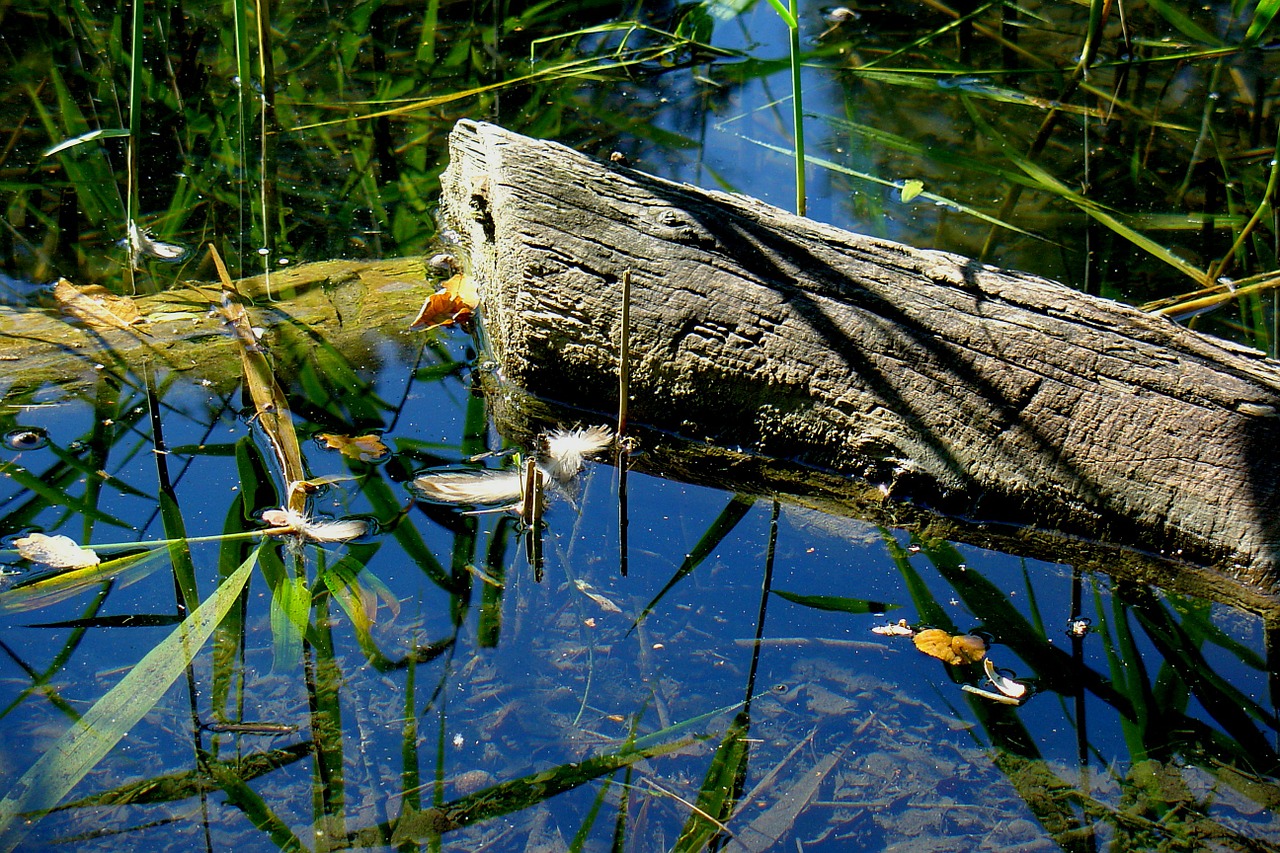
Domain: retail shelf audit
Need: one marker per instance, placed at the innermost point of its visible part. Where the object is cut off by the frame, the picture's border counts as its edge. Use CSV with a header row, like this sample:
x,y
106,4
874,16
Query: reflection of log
x,y
347,304
997,400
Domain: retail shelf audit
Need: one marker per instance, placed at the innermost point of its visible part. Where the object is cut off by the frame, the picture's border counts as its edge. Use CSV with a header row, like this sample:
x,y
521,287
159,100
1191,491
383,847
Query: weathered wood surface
x,y
351,305
994,399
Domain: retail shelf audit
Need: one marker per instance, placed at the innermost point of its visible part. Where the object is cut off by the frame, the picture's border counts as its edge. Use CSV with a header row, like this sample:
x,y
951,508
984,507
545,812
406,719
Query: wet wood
x,y
350,305
998,404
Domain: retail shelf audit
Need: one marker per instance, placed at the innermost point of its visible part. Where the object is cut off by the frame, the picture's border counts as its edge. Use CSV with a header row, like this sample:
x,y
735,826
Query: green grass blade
x,y
837,603
718,794
898,185
1263,15
728,519
91,136
79,749
1183,23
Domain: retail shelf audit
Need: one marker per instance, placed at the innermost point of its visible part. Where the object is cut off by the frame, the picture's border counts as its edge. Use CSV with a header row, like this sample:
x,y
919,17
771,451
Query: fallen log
x,y
1004,407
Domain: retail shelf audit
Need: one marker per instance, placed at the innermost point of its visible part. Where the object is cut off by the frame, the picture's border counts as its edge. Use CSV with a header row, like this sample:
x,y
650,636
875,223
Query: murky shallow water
x,y
1146,730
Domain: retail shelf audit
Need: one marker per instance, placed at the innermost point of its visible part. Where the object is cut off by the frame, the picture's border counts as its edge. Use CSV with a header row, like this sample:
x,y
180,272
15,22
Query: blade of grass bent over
x,y
79,749
268,397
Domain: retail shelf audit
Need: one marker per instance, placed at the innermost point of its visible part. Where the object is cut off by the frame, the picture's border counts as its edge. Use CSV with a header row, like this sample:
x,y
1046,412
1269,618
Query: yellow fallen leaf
x,y
96,307
365,448
59,552
965,648
455,303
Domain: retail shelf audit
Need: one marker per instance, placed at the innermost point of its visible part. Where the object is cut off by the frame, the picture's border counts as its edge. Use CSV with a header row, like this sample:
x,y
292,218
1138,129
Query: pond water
x,y
486,682
1147,726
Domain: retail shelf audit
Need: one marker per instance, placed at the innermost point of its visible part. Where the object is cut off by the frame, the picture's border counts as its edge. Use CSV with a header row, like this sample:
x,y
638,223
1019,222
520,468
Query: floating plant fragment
x,y
472,487
364,448
987,694
895,629
58,552
142,243
293,522
957,650
28,438
1007,686
568,448
95,306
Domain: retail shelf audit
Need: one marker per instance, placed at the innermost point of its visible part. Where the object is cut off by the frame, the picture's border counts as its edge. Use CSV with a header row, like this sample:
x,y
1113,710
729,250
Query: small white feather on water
x,y
568,448
313,529
470,487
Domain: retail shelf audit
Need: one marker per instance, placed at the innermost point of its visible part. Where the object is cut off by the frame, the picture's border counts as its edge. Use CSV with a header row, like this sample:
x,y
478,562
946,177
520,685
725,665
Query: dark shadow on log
x,y
983,398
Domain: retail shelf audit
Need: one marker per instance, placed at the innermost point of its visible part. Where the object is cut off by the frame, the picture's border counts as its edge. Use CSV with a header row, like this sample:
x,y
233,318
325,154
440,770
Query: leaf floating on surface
x,y
455,303
911,189
364,448
1008,686
59,552
957,650
837,603
96,307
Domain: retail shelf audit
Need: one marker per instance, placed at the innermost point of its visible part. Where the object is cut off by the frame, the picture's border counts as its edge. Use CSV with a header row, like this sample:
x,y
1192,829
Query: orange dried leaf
x,y
455,303
366,448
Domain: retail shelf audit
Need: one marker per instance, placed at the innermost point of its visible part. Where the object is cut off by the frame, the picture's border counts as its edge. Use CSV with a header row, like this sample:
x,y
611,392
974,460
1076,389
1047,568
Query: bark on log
x,y
991,398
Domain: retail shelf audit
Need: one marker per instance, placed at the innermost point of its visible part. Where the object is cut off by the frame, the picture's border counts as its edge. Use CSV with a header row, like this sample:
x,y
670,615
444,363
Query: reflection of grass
x,y
1161,730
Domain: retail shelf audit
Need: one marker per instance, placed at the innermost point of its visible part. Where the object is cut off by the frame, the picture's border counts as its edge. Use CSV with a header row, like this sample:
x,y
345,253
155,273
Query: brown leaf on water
x,y
455,303
965,648
96,307
59,552
365,448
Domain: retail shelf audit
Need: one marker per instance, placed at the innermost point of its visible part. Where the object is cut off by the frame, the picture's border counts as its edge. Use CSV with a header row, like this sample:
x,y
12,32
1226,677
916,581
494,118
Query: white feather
x,y
317,531
568,448
470,487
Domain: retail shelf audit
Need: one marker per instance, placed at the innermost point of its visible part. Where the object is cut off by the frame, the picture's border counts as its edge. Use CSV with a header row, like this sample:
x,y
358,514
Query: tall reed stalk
x,y
791,17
